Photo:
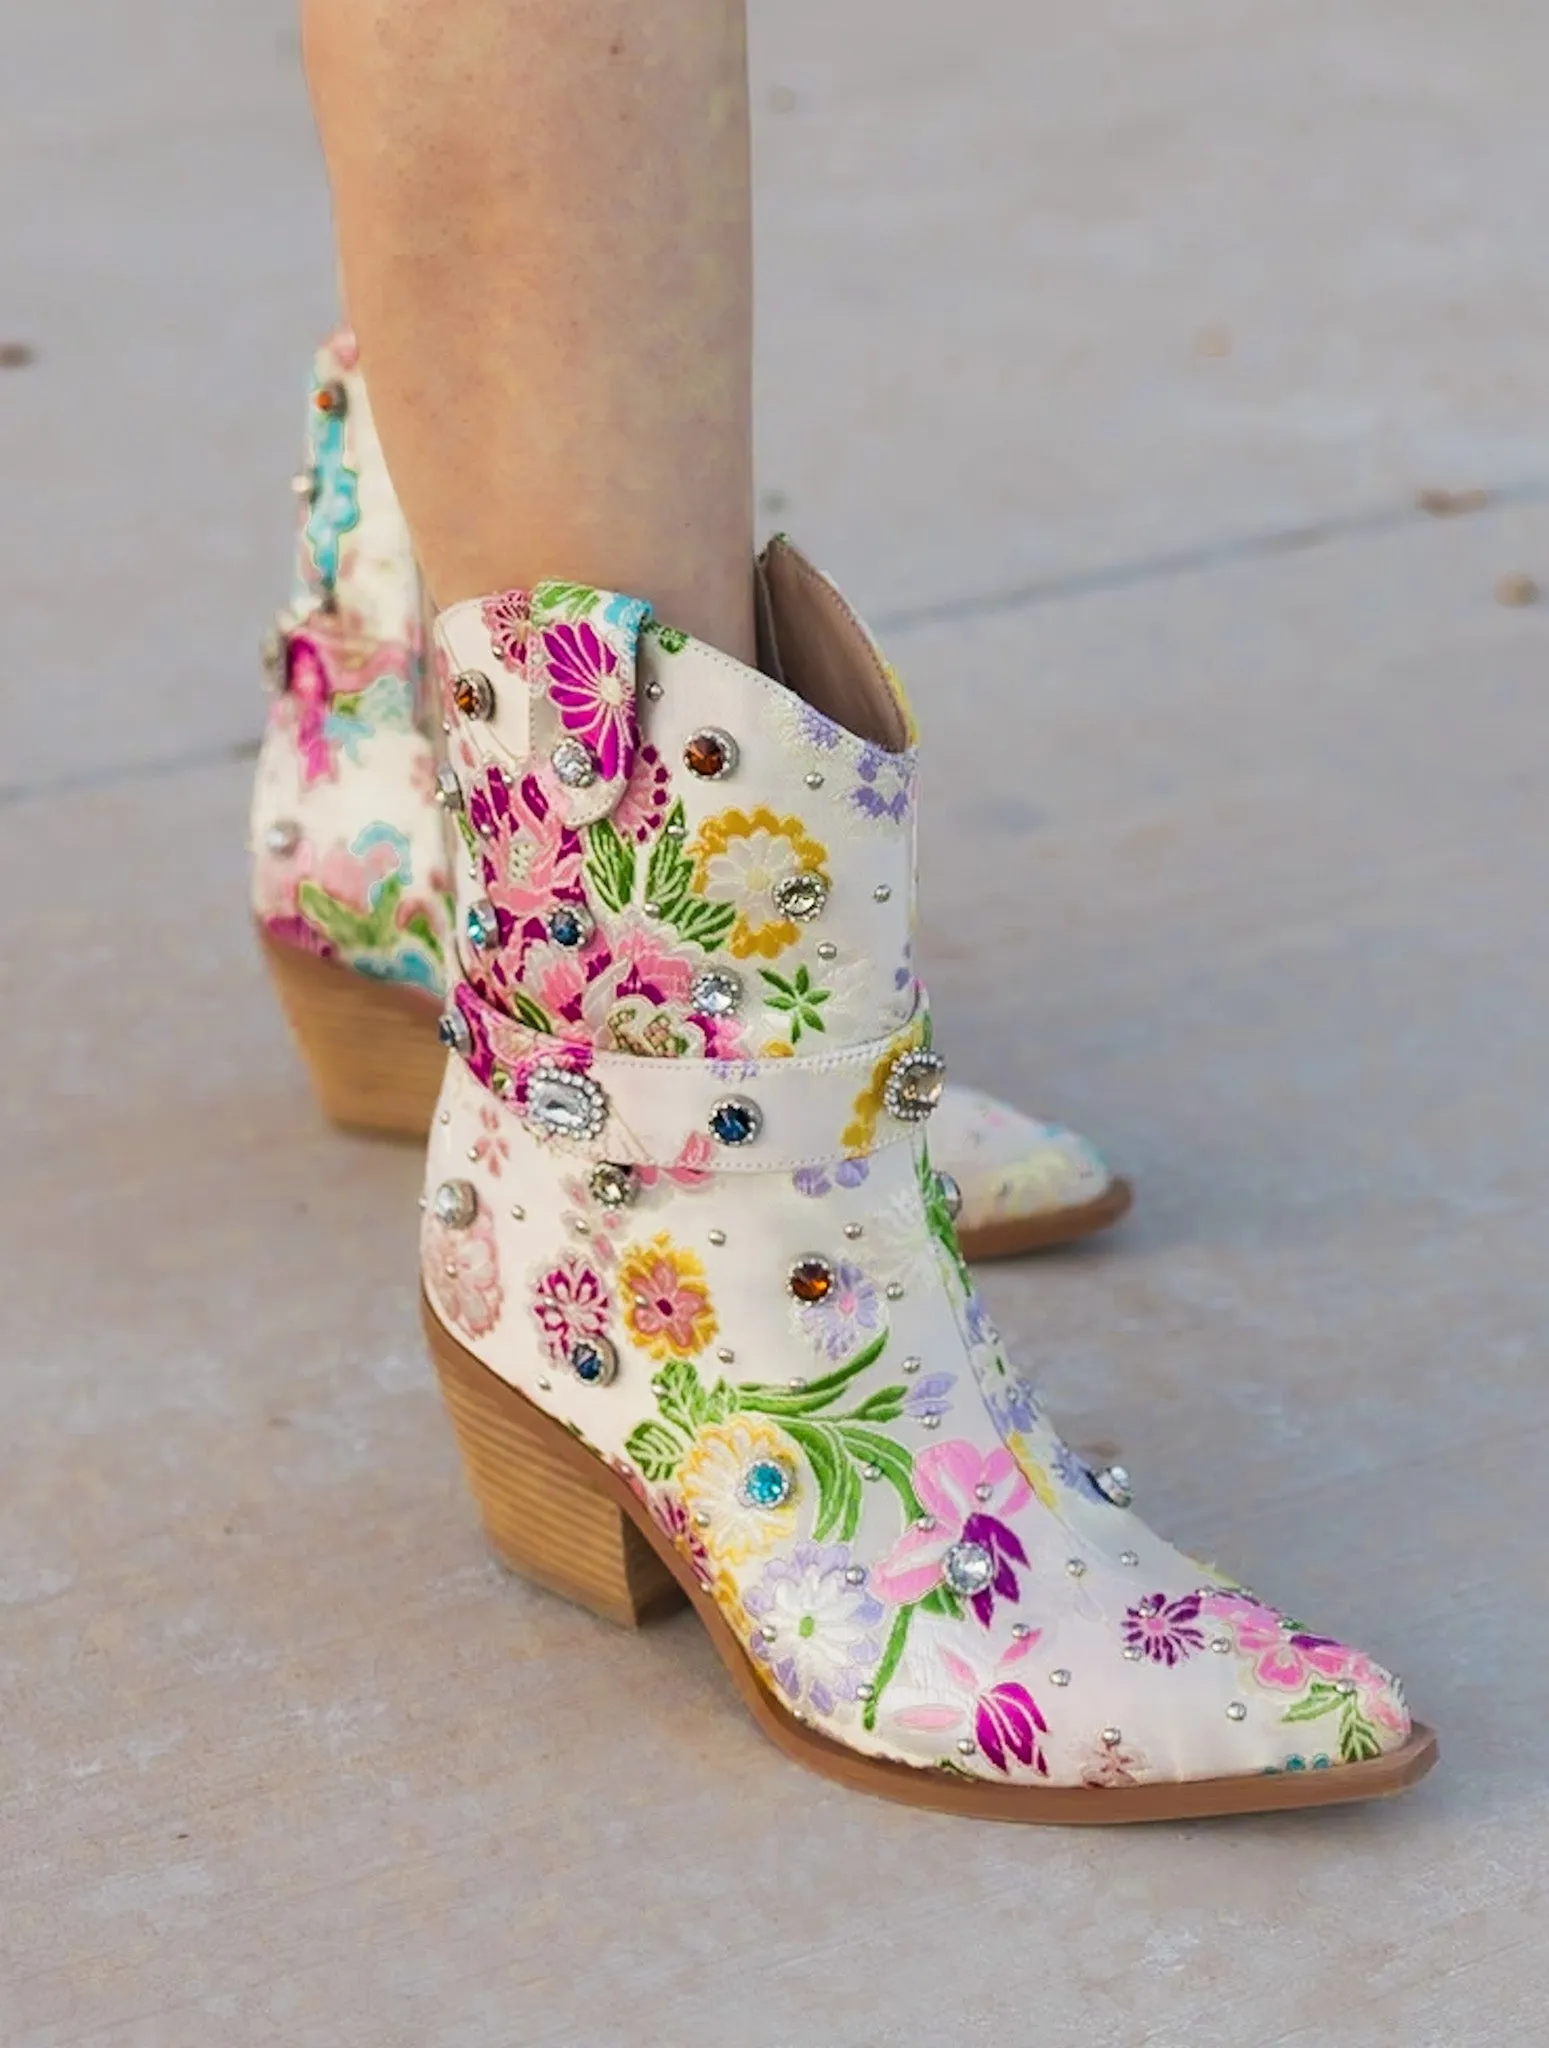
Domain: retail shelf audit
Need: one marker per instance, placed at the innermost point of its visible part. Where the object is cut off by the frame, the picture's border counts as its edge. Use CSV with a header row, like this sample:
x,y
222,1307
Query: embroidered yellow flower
x,y
713,1475
860,1134
666,1298
740,858
1033,1470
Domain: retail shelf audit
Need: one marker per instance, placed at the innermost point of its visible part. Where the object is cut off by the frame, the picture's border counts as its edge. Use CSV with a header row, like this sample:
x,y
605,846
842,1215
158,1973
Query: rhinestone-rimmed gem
x,y
1112,1482
454,1031
614,1186
736,1121
571,925
449,791
282,837
473,693
594,1361
710,754
768,1483
968,1568
483,924
563,1104
811,1278
914,1084
574,763
801,896
455,1203
715,992
951,1195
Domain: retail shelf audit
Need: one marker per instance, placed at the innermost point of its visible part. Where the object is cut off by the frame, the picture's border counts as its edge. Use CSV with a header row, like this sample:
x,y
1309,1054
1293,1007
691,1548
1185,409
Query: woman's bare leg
x,y
543,220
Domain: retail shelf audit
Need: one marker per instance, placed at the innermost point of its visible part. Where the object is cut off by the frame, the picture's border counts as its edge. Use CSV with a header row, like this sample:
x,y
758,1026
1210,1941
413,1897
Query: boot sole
x,y
376,1066
555,1514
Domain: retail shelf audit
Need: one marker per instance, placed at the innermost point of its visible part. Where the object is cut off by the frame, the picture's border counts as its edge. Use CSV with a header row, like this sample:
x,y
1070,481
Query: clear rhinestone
x,y
1112,1482
801,896
283,837
1236,1711
1112,1737
715,992
456,1203
563,1104
951,1195
454,1031
968,1568
473,693
1222,1645
827,950
1060,1677
483,924
615,1187
914,1084
449,791
736,1121
594,1361
573,762
911,1366
716,1237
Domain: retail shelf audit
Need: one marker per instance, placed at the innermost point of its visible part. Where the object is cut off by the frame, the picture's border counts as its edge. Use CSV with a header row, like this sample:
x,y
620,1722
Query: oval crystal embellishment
x,y
571,925
710,754
454,1031
767,1483
574,763
811,1279
563,1104
951,1195
473,693
483,925
455,1203
914,1084
1112,1482
801,896
736,1121
594,1361
968,1568
715,992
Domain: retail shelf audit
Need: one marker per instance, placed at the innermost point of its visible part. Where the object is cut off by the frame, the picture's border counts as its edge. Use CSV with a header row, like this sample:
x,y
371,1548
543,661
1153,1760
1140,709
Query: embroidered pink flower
x,y
642,809
462,1269
531,857
1380,1696
666,1299
1284,1658
354,879
309,686
966,1498
490,1148
569,1303
506,620
1007,1721
593,694
693,1167
1166,1631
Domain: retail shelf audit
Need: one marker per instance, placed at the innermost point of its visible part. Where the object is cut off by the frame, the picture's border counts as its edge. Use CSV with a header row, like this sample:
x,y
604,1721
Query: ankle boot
x,y
350,862
693,1289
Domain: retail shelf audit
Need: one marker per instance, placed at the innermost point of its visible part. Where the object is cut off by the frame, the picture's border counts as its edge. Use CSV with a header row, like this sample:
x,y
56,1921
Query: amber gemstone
x,y
710,754
473,694
812,1279
329,398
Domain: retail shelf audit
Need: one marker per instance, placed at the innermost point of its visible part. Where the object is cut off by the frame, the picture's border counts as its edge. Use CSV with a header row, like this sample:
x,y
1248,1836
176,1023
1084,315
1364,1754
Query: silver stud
x,y
984,1491
914,1084
544,1383
865,1690
473,693
1236,1711
827,950
473,1154
717,1237
1021,1631
483,924
564,1104
894,1290
911,1366
518,1213
675,828
736,1121
445,1117
855,1575
1075,1567
303,483
570,925
454,1031
882,893
1132,1652
726,1355
579,1225
1149,1607
1129,1557
701,1519
797,1385
653,690
768,1633
1222,1645
801,896
930,1421
449,791
968,1568
1060,1677
926,1522
715,992
282,837
813,778
456,1203
966,1745
1112,1482
710,754
1346,1688
594,1361
871,1471
614,1186
574,763
1112,1737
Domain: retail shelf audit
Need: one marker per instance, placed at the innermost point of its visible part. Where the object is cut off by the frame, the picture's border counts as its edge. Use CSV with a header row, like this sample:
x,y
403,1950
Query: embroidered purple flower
x,y
886,782
848,1315
966,1496
1014,1404
593,694
1073,1471
569,1302
1166,1631
816,1180
1005,1548
930,1396
506,620
1006,1718
819,1635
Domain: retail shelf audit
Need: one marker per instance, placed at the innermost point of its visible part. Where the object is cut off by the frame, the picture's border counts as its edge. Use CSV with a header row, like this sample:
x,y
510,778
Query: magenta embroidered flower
x,y
506,620
462,1270
569,1303
670,1511
642,809
951,1690
966,1497
593,694
531,856
1166,1631
309,688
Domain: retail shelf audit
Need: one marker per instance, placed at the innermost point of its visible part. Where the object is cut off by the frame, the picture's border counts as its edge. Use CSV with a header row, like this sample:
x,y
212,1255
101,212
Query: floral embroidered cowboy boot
x,y
694,1292
349,882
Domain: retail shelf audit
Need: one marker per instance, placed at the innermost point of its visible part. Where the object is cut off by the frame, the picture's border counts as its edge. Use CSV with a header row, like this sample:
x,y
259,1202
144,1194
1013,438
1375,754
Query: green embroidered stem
x,y
892,1653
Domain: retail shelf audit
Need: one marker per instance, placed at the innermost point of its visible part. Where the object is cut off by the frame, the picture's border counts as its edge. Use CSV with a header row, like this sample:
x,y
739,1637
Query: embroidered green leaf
x,y
422,929
868,1447
672,640
817,1395
469,836
358,931
797,998
680,1397
610,864
885,1405
942,1600
1319,1699
562,601
527,1012
838,1483
655,1449
703,924
1359,1741
669,871
892,1652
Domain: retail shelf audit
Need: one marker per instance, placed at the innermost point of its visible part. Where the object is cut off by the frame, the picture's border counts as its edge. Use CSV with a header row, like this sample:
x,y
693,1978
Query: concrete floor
x,y
1105,349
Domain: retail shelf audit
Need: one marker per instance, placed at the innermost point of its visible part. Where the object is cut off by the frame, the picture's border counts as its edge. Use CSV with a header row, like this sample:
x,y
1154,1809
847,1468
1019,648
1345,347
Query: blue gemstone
x,y
766,1484
594,1361
483,925
735,1122
568,928
588,1366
